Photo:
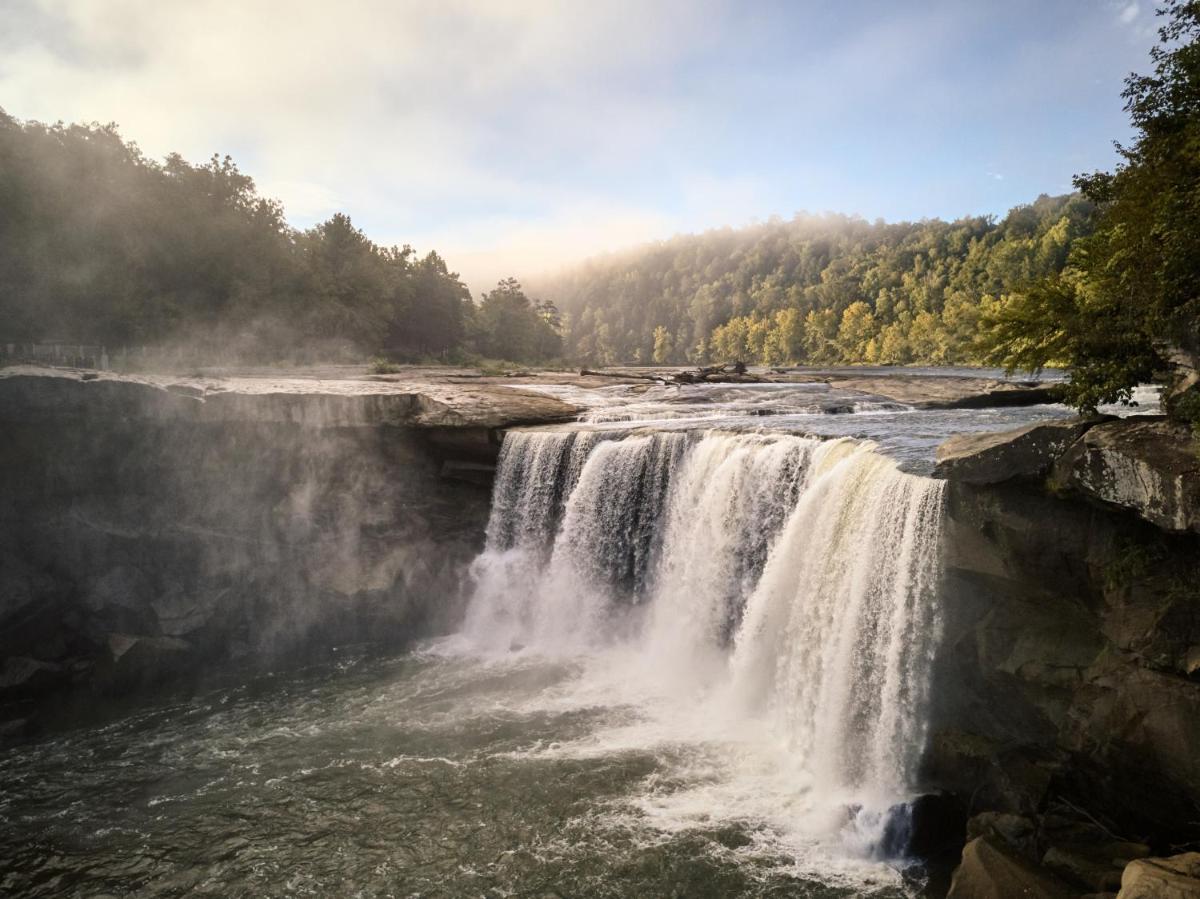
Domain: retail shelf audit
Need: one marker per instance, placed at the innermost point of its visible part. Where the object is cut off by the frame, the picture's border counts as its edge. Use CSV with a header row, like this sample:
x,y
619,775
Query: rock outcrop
x,y
156,530
989,870
1067,702
1150,467
991,458
1176,877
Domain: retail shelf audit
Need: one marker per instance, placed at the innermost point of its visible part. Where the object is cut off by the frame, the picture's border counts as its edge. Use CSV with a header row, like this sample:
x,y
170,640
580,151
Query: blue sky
x,y
517,136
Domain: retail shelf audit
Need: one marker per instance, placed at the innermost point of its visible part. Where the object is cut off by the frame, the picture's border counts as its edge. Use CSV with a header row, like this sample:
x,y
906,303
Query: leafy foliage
x,y
1131,294
99,244
818,290
509,325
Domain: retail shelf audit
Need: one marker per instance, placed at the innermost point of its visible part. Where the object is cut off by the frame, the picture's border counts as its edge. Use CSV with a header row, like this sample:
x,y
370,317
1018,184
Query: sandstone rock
x,y
1084,868
180,612
952,392
1176,877
1017,831
294,518
989,870
928,827
140,661
1024,453
29,393
22,675
1150,467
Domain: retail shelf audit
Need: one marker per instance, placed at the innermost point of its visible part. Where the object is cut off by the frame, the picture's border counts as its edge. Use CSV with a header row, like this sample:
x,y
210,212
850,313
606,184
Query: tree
x,y
508,325
99,244
1127,306
856,330
718,294
429,309
663,345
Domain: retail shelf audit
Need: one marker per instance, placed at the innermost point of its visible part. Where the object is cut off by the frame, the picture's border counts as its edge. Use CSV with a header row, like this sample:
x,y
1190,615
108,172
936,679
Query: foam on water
x,y
757,610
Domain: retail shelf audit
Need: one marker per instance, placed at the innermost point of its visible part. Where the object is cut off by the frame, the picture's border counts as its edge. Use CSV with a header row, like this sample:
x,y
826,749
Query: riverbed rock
x,y
1151,467
1174,877
950,391
991,458
31,393
990,870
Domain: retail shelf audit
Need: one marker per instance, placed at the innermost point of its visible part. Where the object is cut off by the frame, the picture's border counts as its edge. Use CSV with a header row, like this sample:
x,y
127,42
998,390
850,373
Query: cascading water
x,y
781,584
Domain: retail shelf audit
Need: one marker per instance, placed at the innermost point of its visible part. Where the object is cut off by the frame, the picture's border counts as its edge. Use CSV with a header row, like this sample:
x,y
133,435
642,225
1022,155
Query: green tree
x,y
99,244
663,345
1129,302
508,325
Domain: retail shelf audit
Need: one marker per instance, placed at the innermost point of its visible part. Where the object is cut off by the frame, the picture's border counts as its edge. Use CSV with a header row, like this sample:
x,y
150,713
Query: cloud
x,y
1129,13
407,114
513,135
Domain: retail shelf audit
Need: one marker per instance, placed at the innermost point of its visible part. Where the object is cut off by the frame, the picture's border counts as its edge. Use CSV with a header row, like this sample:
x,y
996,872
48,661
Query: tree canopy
x,y
1128,304
814,289
100,245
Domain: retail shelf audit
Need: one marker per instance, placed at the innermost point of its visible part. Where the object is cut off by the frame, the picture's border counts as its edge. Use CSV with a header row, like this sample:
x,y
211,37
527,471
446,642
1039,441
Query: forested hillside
x,y
101,245
815,289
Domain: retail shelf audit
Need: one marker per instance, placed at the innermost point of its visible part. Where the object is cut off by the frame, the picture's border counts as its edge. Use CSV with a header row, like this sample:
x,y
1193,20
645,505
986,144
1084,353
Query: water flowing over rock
x,y
793,578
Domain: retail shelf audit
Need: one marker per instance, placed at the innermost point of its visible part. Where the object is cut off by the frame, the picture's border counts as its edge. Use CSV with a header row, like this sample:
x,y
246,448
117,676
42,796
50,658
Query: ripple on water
x,y
425,775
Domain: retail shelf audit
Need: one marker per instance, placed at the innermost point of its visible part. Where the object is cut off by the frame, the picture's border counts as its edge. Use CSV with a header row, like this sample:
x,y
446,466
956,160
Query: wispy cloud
x,y
513,135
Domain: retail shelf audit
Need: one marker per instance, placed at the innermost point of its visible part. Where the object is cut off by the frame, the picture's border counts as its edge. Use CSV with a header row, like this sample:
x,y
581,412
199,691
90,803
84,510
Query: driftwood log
x,y
617,374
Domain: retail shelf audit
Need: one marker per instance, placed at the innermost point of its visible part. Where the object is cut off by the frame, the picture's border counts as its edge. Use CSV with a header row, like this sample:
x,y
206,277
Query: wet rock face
x,y
1024,454
991,870
146,539
1149,467
1064,669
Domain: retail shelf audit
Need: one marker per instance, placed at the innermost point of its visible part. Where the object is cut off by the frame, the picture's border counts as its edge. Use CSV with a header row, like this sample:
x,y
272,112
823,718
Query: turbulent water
x,y
738,584
695,663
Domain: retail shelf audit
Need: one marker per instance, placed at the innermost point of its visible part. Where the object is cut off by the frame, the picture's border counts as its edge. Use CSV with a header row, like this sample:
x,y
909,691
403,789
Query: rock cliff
x,y
157,529
1068,686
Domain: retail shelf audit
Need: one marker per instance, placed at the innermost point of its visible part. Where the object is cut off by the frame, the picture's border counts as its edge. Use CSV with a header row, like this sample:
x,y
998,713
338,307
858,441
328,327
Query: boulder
x,y
1026,453
990,870
1016,831
1091,869
23,676
1175,877
1151,467
141,661
937,823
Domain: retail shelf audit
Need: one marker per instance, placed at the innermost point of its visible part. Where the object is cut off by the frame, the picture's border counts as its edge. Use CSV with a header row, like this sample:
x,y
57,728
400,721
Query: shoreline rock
x,y
1066,701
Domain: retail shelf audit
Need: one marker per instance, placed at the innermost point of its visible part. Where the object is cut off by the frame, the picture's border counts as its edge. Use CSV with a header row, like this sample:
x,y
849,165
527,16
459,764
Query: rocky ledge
x,y
1067,697
160,530
1145,464
31,393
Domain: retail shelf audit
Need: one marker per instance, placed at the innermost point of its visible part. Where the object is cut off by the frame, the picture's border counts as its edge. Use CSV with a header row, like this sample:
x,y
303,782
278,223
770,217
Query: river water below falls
x,y
695,663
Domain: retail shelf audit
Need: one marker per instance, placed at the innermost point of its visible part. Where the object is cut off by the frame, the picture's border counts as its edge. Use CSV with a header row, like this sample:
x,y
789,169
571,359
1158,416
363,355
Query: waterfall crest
x,y
793,579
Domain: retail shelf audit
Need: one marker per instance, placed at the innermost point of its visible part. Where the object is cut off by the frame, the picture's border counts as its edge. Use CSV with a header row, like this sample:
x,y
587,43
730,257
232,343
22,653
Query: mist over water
x,y
695,663
765,601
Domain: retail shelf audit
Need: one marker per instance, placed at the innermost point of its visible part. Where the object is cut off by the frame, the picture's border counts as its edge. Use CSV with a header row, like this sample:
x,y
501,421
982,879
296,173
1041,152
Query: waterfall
x,y
794,579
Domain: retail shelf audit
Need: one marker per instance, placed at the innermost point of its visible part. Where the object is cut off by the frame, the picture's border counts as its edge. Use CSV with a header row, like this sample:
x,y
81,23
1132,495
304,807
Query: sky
x,y
517,136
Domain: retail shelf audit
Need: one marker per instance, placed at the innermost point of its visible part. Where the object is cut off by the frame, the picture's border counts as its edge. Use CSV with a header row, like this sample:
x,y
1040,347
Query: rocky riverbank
x,y
160,530
1068,687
